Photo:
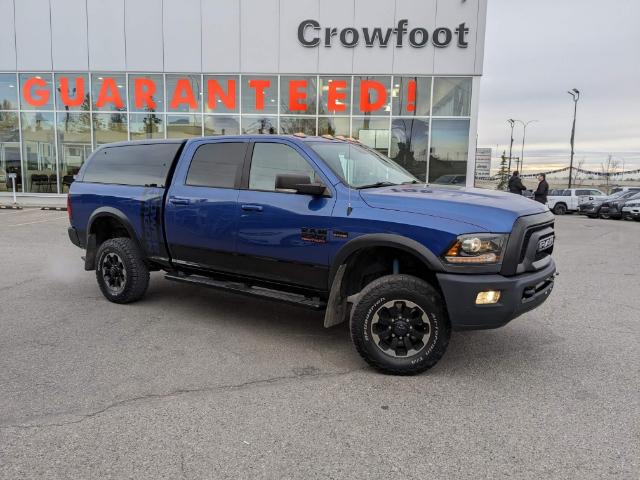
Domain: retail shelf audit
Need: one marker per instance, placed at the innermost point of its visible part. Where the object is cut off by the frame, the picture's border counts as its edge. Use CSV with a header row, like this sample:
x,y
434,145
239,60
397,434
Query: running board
x,y
245,289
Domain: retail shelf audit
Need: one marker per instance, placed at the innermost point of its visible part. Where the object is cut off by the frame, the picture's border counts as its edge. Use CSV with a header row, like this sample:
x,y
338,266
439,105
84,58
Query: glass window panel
x,y
8,91
252,103
303,94
452,96
411,96
9,151
189,97
146,126
272,159
184,126
217,165
221,125
150,91
340,95
373,132
74,145
109,127
77,91
113,87
372,96
39,152
42,92
229,86
137,164
409,145
259,125
449,148
291,125
336,126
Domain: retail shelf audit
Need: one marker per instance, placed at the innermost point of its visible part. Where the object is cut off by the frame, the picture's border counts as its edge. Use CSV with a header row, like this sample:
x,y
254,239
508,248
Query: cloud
x,y
536,51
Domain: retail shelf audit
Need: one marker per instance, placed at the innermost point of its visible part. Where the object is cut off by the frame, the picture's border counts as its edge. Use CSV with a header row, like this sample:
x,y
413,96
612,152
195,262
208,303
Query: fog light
x,y
487,298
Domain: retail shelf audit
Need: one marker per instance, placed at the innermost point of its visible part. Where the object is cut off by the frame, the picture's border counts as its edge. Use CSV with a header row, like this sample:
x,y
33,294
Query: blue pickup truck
x,y
323,223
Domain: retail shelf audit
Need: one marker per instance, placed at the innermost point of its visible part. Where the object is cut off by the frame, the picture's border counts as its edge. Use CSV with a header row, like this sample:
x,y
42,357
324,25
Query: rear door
x,y
201,206
283,236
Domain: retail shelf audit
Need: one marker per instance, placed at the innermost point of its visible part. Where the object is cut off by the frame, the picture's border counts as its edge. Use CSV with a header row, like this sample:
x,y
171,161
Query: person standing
x,y
540,195
515,184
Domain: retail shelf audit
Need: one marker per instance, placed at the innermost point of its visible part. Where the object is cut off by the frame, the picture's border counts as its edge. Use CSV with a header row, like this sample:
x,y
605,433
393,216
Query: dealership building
x,y
401,76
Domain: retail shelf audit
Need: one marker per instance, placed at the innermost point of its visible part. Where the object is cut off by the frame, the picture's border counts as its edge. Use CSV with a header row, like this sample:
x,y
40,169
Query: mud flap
x,y
337,306
90,258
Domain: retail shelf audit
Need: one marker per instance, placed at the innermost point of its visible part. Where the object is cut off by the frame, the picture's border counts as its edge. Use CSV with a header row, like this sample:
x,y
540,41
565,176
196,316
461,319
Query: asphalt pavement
x,y
194,383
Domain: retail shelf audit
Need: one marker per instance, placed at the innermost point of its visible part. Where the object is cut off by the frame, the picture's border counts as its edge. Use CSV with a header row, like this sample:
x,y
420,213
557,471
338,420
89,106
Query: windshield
x,y
359,167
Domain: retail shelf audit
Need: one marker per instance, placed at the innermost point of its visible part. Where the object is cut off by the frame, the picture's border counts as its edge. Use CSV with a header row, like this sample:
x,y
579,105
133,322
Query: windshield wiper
x,y
377,184
411,182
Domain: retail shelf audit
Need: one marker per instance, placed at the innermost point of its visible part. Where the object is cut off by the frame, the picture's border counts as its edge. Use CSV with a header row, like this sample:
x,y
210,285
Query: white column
x,y
473,130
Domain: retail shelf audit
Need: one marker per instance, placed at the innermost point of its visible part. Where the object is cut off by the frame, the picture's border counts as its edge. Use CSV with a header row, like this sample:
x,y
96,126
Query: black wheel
x,y
122,275
400,325
560,209
605,216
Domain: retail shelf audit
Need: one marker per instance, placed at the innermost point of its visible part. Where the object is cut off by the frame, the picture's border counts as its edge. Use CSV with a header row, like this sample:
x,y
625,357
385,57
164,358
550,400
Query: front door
x,y
201,210
283,236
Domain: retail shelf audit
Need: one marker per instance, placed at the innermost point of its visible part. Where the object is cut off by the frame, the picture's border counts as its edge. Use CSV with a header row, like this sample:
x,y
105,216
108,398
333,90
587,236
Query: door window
x,y
272,159
580,193
217,165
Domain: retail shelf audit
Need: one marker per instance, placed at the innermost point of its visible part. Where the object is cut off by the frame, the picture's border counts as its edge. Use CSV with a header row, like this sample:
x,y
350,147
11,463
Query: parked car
x,y
591,208
320,223
568,200
624,189
613,208
631,209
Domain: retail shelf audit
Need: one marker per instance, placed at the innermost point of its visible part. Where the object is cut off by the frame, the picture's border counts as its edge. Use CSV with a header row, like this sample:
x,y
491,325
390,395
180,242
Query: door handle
x,y
252,208
179,200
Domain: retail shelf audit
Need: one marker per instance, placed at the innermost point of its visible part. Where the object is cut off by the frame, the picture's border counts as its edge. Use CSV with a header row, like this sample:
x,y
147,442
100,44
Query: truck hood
x,y
488,210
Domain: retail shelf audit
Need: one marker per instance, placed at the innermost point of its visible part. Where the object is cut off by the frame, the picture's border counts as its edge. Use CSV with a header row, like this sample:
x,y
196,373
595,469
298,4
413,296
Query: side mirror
x,y
300,184
590,198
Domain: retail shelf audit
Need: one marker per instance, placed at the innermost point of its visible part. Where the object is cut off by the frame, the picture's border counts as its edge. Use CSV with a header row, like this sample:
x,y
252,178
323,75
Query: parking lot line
x,y
37,221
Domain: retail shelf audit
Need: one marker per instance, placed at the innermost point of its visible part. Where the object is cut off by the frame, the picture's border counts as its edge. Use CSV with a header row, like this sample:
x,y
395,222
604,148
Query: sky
x,y
535,52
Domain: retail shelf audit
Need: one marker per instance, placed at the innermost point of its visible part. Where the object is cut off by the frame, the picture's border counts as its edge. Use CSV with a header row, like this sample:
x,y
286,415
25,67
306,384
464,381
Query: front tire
x,y
560,209
400,325
122,275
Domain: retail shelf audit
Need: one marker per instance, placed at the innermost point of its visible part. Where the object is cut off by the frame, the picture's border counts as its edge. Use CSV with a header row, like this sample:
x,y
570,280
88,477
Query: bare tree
x,y
608,168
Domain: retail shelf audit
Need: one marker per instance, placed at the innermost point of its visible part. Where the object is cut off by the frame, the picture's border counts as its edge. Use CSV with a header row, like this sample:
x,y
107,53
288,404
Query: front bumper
x,y
588,209
631,212
610,210
519,294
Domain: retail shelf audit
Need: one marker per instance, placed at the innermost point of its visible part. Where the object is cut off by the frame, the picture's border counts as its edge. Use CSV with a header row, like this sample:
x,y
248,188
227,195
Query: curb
x,y
57,209
10,207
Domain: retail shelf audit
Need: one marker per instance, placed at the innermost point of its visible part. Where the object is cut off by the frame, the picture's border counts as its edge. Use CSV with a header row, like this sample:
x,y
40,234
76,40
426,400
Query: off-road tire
x,y
400,288
559,209
137,273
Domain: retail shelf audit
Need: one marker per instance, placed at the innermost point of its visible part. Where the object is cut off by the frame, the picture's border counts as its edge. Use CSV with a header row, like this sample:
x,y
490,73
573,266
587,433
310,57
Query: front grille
x,y
527,237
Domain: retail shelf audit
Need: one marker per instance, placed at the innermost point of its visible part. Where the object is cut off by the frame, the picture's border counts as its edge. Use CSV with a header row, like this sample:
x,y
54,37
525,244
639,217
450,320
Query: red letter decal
x,y
183,94
411,96
42,94
109,94
260,86
79,91
144,88
366,105
297,95
215,90
334,96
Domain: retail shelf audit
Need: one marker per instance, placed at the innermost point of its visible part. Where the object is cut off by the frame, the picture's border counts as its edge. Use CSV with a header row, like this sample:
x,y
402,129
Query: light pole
x,y
575,93
511,122
524,134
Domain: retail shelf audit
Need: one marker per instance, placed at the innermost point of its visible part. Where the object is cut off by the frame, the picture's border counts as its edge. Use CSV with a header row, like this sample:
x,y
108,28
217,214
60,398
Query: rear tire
x,y
122,275
400,325
560,209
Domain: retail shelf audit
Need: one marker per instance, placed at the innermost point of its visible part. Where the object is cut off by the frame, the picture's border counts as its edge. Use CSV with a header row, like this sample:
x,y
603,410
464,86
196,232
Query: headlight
x,y
481,248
